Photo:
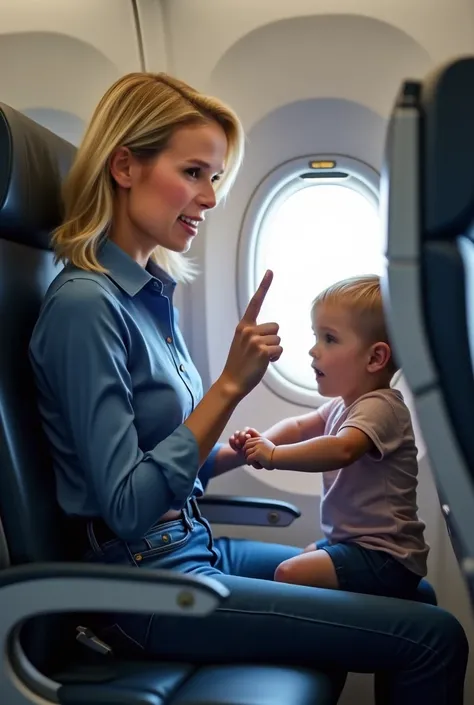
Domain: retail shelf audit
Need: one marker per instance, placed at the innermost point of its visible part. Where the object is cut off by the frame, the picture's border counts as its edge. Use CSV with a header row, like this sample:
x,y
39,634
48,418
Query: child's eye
x,y
330,338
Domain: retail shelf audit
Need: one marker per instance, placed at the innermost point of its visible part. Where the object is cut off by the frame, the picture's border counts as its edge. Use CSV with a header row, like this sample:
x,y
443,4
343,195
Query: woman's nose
x,y
208,198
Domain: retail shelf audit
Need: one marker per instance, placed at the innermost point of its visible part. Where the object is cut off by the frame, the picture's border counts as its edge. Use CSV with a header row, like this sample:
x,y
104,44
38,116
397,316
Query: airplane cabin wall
x,y
306,78
305,81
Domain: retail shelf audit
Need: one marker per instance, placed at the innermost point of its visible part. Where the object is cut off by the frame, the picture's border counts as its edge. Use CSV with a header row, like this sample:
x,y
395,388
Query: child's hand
x,y
237,440
259,452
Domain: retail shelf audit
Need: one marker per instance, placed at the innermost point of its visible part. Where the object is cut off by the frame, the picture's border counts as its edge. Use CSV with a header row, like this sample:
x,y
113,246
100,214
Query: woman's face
x,y
163,200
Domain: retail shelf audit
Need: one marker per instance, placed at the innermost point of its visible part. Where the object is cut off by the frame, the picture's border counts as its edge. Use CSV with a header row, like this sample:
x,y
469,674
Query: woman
x,y
131,434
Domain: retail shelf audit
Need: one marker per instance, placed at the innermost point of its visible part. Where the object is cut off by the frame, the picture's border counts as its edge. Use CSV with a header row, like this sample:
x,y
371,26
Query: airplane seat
x,y
27,499
42,659
428,206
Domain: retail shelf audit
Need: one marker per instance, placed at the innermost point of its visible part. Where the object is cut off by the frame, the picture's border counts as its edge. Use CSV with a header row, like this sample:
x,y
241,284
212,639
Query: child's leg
x,y
311,547
348,566
312,567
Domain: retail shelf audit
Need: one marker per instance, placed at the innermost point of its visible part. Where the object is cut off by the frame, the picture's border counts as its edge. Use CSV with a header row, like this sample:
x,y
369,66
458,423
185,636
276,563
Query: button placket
x,y
170,340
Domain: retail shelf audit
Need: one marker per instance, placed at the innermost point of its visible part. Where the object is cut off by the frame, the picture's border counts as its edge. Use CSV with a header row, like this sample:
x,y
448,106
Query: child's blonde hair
x,y
361,296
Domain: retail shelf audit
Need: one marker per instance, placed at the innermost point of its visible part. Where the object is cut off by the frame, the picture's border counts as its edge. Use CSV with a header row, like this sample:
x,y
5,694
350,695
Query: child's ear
x,y
379,356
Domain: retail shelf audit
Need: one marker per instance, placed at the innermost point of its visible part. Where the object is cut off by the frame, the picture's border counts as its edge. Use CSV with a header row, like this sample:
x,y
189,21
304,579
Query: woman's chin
x,y
187,246
180,246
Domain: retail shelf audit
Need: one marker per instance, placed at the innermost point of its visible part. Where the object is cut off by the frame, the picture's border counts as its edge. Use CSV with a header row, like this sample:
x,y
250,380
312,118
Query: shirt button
x,y
169,340
181,367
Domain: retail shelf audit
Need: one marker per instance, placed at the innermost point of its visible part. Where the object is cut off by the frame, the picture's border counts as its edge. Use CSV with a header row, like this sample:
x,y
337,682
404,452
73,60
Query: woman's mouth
x,y
189,224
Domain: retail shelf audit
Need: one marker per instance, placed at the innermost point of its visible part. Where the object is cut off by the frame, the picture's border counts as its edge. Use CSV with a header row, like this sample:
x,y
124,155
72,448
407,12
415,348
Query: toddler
x,y
362,441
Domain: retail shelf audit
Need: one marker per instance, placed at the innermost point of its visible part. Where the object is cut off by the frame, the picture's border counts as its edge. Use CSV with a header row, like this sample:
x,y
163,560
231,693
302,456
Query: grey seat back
x,y
33,162
428,197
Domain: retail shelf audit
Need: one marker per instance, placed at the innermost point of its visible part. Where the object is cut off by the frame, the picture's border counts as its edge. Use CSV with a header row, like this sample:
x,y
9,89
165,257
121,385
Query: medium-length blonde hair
x,y
362,297
140,111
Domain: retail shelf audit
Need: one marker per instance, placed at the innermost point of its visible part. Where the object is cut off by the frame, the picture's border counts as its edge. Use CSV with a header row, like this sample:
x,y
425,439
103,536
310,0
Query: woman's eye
x,y
196,173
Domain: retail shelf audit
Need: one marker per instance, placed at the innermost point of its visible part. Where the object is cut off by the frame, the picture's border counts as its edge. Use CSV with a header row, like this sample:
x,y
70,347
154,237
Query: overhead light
x,y
322,164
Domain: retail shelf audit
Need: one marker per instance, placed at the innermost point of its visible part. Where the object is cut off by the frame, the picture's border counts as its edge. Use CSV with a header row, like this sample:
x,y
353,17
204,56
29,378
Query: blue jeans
x,y
420,649
372,572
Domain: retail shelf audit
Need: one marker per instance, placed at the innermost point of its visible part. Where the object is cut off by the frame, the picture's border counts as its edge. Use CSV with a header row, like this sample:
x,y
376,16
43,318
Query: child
x,y
362,441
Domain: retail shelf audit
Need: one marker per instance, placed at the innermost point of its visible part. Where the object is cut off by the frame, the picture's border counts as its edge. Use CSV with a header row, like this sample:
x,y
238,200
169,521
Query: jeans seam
x,y
333,624
425,647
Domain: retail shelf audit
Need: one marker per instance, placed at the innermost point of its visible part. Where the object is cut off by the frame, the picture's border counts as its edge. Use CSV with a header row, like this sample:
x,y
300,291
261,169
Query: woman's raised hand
x,y
254,346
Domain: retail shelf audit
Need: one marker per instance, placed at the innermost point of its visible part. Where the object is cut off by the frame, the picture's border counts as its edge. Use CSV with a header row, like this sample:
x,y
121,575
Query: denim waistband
x,y
92,531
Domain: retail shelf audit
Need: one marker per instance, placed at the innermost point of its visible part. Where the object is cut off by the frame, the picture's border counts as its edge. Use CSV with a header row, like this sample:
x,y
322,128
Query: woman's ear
x,y
379,356
120,165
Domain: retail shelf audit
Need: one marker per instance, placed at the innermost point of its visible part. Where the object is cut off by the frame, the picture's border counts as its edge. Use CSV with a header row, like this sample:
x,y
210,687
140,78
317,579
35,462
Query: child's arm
x,y
296,429
288,431
315,455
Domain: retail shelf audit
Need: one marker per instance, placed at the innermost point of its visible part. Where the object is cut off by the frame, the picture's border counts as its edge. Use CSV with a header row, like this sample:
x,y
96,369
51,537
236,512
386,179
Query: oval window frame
x,y
275,187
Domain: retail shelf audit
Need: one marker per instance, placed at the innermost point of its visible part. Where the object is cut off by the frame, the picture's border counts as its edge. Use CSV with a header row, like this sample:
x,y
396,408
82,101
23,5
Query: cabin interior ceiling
x,y
306,77
62,55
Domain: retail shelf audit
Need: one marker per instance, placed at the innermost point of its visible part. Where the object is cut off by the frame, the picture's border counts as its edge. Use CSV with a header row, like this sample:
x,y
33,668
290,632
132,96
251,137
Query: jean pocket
x,y
160,540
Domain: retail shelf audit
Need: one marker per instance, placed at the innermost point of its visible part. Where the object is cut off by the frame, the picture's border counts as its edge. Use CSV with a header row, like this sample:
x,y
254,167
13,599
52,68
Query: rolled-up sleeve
x,y
86,362
207,469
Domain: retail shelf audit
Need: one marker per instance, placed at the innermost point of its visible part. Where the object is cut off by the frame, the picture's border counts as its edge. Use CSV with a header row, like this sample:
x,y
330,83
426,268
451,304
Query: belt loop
x,y
195,505
92,539
187,515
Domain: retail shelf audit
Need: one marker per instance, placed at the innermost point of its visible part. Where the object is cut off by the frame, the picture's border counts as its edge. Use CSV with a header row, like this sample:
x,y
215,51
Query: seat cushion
x,y
257,685
182,684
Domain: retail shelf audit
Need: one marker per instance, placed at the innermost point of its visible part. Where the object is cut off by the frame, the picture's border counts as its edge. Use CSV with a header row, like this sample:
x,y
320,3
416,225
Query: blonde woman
x,y
132,436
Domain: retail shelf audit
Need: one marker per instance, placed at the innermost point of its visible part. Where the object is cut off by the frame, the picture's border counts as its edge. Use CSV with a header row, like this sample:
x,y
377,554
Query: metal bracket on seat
x,y
87,638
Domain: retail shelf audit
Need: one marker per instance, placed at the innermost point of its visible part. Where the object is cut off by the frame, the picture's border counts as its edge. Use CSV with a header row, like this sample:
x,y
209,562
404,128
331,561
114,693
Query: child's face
x,y
340,356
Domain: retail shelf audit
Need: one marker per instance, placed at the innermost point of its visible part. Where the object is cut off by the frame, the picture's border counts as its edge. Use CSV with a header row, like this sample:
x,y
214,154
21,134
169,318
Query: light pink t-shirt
x,y
373,501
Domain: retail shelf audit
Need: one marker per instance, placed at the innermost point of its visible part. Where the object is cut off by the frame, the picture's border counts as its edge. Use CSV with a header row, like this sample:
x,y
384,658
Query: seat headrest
x,y
447,133
33,164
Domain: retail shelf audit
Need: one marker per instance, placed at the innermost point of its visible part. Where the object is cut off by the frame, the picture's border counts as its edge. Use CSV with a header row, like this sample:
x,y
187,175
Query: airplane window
x,y
313,232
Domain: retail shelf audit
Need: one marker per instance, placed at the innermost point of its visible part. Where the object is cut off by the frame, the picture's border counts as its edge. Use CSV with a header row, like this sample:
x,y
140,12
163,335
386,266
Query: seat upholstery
x,y
428,186
183,684
27,499
33,162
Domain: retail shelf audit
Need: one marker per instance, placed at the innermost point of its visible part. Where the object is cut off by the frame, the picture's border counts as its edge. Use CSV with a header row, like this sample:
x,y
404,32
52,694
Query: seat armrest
x,y
247,511
32,590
